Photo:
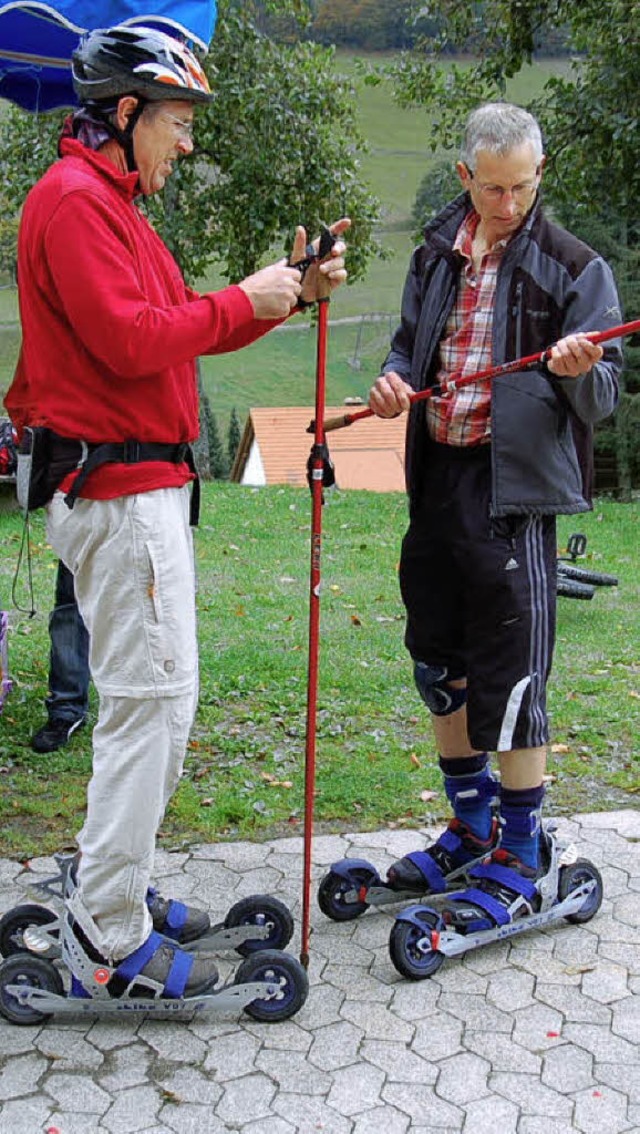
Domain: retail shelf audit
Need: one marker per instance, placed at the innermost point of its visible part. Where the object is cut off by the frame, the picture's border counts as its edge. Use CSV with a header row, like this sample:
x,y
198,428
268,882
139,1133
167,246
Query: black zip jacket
x,y
549,285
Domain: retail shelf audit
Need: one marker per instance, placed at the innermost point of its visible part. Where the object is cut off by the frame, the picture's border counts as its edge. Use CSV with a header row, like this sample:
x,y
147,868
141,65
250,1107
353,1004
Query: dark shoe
x,y
178,974
175,920
55,734
444,863
157,969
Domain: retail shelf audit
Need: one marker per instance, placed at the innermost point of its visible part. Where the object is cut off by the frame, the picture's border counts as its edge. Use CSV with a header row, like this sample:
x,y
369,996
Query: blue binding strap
x,y
178,975
174,921
176,981
497,912
505,876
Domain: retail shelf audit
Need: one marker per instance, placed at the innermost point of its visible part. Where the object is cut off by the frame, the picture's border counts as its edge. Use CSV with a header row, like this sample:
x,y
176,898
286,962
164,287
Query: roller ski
x,y
159,978
353,884
501,899
253,923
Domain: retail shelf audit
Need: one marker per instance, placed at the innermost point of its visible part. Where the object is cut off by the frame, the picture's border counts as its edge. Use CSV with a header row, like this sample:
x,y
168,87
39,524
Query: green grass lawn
x,y
245,769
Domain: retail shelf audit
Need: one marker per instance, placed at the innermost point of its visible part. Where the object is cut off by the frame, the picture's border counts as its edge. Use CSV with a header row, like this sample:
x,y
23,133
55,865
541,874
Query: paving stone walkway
x,y
538,1035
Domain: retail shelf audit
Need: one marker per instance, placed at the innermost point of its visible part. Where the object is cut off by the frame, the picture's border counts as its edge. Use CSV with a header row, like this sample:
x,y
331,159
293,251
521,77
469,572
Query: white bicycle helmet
x,y
123,60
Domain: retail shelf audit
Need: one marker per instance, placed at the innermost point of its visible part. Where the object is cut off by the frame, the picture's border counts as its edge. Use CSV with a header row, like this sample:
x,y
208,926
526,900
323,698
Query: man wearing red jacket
x,y
110,335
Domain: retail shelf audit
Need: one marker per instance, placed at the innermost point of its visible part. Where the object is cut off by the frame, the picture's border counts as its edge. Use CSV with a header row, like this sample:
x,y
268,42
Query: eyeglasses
x,y
519,192
182,127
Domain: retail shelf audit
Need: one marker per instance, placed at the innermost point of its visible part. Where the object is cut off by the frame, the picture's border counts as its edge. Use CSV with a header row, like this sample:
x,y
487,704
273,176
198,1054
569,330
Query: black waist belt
x,y
133,453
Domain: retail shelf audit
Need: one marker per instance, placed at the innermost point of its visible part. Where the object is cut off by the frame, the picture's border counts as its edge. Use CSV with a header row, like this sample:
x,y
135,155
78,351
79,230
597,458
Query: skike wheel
x,y
410,949
284,974
571,877
14,923
32,972
261,910
332,890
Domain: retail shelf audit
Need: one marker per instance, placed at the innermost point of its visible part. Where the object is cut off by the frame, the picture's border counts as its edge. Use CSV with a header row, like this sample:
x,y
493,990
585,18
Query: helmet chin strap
x,y
124,137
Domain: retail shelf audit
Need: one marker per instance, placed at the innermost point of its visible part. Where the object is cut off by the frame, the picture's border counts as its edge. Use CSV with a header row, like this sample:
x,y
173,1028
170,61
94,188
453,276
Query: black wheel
x,y
410,949
261,910
282,971
570,878
580,575
568,588
30,972
332,891
14,923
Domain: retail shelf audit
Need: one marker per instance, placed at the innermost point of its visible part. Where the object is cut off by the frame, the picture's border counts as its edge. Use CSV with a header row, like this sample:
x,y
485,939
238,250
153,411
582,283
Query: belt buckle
x,y
131,452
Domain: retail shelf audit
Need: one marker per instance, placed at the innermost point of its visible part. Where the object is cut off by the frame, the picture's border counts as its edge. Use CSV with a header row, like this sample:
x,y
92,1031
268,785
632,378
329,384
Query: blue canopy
x,y
37,39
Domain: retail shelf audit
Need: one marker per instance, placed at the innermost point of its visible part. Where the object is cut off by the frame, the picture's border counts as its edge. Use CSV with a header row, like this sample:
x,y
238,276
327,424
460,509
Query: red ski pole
x,y
320,476
456,382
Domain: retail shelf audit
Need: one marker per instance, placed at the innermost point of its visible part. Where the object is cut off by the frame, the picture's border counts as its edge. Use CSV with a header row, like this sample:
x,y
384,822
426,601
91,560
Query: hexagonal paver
x,y
335,1046
356,1089
626,1019
20,1075
606,983
600,1109
463,1079
230,1057
246,1100
511,989
133,1110
627,909
438,1037
491,1114
538,1028
567,1069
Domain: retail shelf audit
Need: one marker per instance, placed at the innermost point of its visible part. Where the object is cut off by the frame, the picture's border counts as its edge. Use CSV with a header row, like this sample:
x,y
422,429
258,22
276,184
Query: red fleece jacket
x,y
110,331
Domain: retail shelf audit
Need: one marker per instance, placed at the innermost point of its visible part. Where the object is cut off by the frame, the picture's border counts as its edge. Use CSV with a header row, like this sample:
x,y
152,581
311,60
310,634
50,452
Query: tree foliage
x,y
371,25
218,463
439,185
234,436
589,116
277,147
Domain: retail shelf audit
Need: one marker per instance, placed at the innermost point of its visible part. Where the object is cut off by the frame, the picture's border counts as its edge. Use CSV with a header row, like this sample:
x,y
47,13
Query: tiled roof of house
x,y
368,454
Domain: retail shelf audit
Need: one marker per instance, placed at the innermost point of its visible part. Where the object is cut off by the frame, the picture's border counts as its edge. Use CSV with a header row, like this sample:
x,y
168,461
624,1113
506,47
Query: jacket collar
x,y
440,233
126,184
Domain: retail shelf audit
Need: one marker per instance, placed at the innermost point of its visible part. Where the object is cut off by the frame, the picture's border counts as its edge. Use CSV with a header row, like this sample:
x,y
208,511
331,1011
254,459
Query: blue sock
x,y
520,819
470,788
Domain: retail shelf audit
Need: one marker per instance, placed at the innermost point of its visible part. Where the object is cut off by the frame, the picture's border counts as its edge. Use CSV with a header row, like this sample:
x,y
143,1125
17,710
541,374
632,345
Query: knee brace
x,y
433,683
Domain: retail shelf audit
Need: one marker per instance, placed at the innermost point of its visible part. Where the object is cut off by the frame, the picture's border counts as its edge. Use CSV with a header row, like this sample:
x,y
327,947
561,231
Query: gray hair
x,y
499,127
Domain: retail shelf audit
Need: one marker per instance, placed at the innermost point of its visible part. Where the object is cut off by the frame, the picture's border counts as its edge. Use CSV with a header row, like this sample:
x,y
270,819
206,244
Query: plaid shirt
x,y
464,417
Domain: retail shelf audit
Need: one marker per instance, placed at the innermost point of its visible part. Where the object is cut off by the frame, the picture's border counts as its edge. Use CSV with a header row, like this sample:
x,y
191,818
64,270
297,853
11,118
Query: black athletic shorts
x,y
480,596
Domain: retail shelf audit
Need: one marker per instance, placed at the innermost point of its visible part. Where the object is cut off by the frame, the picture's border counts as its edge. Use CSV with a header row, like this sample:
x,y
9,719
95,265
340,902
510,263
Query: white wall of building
x,y
253,474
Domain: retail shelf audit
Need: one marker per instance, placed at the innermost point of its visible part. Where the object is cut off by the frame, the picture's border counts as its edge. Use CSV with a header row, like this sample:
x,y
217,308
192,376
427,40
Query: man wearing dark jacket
x,y
489,467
